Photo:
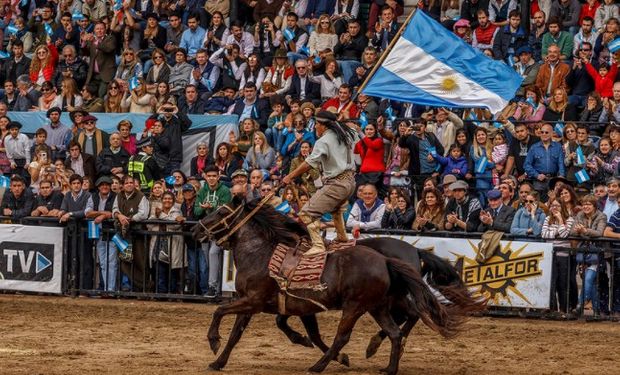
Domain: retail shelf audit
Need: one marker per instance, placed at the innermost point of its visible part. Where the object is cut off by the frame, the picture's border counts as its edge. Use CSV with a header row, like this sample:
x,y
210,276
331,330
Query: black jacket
x,y
501,222
312,90
11,70
106,160
173,129
79,69
52,202
398,220
88,165
260,113
352,50
198,108
21,206
412,143
468,211
503,41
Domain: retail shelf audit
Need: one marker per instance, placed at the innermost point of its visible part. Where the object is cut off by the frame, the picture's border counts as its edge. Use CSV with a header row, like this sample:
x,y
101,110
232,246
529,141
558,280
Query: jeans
x,y
215,264
274,138
197,261
347,67
108,264
167,278
590,288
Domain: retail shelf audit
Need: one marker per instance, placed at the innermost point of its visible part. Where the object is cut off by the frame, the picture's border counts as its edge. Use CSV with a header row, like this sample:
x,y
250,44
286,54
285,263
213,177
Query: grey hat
x,y
147,141
459,185
448,180
103,180
239,172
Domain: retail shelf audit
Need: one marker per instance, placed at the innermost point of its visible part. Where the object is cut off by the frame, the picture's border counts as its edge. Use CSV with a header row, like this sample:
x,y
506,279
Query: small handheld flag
x,y
133,83
4,55
497,125
94,230
317,59
77,16
120,243
389,112
288,34
614,46
305,50
481,165
363,120
5,182
48,29
581,159
283,208
170,180
559,128
118,5
530,102
582,176
11,30
432,150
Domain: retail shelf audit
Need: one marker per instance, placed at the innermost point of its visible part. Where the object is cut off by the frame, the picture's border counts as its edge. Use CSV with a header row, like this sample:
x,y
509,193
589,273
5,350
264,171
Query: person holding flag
x,y
577,154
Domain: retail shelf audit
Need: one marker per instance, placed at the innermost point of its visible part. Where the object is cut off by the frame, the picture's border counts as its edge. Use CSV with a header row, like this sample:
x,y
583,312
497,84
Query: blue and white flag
x,y
4,55
429,65
48,29
77,16
283,208
304,50
5,182
170,180
481,165
363,120
11,30
94,230
317,59
120,243
614,46
497,125
133,83
531,103
472,116
581,158
288,34
559,128
582,176
432,150
118,5
389,112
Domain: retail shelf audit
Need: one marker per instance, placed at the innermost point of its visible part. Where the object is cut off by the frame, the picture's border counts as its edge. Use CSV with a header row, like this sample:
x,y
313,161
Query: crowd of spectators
x,y
545,166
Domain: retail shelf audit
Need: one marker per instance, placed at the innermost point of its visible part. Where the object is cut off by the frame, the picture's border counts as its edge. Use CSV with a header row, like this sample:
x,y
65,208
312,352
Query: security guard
x,y
143,166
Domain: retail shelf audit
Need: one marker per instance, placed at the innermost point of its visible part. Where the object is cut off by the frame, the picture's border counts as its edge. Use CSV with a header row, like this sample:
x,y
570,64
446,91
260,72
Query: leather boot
x,y
314,229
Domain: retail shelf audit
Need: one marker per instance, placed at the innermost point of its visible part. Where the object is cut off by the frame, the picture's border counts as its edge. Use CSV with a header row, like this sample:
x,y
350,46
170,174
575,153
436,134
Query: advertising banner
x,y
31,258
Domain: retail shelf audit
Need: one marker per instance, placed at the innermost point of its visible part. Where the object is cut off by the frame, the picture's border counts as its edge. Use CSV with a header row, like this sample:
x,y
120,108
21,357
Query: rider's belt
x,y
343,176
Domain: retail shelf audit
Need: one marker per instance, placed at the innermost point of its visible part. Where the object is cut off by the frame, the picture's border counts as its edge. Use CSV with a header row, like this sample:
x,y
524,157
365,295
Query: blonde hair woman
x,y
43,64
260,155
69,95
323,36
138,100
129,67
558,108
480,153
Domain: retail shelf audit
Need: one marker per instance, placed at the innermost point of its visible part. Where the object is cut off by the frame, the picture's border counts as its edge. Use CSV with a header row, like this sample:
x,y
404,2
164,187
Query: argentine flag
x,y
283,208
429,65
120,243
94,230
582,176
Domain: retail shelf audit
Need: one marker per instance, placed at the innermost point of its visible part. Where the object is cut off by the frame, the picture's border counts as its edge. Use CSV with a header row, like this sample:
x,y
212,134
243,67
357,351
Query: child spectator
x,y
455,163
499,155
603,79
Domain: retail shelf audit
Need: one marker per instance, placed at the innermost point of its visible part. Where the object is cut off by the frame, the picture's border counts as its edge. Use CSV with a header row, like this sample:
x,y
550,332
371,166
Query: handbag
x,y
162,249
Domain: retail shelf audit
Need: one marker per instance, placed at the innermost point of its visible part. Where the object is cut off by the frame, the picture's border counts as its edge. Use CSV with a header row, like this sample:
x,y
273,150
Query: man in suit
x,y
301,87
101,48
497,216
79,162
385,30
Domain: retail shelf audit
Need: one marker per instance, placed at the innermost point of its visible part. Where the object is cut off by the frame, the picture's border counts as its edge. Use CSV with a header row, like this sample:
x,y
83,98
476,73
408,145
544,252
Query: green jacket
x,y
218,197
564,42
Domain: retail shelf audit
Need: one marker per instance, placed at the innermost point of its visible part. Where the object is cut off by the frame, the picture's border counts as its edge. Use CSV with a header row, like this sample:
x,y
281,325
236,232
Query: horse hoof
x,y
215,366
303,341
215,345
317,368
373,346
343,359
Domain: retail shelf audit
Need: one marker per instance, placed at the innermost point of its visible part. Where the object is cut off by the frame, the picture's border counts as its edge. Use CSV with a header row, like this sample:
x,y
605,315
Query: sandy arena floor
x,y
54,335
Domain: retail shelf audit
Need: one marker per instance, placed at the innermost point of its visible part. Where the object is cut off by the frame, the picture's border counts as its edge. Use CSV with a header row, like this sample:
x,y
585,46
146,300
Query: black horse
x,y
358,280
438,273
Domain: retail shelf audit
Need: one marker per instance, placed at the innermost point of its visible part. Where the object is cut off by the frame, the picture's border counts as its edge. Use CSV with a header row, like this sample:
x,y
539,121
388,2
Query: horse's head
x,y
217,225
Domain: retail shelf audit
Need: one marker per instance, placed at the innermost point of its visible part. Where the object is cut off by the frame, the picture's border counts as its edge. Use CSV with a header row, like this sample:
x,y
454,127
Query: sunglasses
x,y
265,190
530,201
157,57
89,122
113,87
46,90
543,132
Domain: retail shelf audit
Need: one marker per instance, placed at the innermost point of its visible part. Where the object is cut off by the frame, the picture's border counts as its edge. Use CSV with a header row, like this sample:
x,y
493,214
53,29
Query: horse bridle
x,y
235,215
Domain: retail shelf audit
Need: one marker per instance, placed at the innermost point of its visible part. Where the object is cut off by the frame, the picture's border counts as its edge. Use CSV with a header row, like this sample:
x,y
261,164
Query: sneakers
x,y
211,293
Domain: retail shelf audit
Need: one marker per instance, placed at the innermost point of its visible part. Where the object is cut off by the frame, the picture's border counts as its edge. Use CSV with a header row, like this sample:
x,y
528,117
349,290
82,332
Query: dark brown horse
x,y
358,280
437,272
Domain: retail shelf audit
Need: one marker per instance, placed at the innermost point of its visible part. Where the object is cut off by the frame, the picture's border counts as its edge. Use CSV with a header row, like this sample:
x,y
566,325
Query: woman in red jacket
x,y
371,150
43,64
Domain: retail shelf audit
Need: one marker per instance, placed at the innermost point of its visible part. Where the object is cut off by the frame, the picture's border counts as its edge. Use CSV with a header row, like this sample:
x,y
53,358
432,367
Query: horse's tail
x,y
442,276
423,303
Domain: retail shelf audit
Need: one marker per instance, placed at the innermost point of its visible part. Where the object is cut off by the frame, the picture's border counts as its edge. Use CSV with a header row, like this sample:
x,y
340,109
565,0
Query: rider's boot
x,y
314,229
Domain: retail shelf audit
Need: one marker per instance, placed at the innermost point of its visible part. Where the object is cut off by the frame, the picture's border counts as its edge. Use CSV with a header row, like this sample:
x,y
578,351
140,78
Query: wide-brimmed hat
x,y
280,52
459,185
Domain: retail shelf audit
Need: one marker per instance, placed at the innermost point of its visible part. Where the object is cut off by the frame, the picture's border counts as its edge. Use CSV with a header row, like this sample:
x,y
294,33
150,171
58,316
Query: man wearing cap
x,y
91,139
213,195
497,216
58,135
333,155
445,187
76,117
17,147
18,201
526,67
143,166
462,211
99,208
544,160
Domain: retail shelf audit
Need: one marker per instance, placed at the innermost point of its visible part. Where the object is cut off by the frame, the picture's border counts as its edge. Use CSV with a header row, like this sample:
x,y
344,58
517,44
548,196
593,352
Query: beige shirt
x,y
331,157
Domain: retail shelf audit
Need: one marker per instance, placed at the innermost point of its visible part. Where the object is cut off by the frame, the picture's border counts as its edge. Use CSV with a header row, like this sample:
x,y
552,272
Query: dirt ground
x,y
57,335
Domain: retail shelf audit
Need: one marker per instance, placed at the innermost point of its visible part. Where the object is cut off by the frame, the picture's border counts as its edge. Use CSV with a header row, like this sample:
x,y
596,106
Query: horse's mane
x,y
275,227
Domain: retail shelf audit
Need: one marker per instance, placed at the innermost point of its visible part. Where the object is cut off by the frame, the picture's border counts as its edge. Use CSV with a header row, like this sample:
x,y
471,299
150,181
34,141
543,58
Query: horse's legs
x,y
406,330
294,336
347,322
376,340
241,322
384,319
241,306
312,328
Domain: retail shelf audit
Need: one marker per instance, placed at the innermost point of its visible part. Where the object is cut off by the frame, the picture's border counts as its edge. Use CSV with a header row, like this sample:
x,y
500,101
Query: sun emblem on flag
x,y
449,84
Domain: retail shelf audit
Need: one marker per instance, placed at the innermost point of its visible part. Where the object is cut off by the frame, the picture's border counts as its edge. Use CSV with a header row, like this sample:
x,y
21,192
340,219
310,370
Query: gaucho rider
x,y
333,155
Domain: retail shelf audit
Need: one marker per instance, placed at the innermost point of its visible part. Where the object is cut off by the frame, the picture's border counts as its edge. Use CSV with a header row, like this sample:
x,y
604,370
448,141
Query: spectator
x,y
367,212
242,39
607,33
430,215
129,66
226,162
581,82
192,38
69,97
39,168
510,37
586,34
174,124
559,108
17,202
92,102
159,70
302,88
10,95
174,32
544,160
279,76
604,162
80,163
371,151
48,98
482,163
462,211
454,164
196,261
557,227
293,38
43,65
606,11
498,216
114,100
592,112
201,160
17,146
530,217
99,209
330,81
323,37
483,36
206,73
567,11
100,47
152,36
398,216
385,30
310,179
419,143
128,140
58,135
252,71
16,65
500,11
250,106
113,159
526,67
23,37
537,32
445,126
260,155
552,73
180,72
518,151
350,47
48,201
28,97
91,139
340,104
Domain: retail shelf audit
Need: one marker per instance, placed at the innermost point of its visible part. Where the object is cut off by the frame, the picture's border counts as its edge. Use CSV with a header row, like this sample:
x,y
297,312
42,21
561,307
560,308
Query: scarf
x,y
365,213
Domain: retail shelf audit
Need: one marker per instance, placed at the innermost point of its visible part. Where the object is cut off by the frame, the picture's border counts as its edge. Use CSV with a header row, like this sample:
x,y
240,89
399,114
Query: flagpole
x,y
385,53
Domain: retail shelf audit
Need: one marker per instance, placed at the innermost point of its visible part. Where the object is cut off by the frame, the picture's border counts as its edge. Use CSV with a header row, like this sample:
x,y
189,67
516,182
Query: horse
x,y
438,272
358,280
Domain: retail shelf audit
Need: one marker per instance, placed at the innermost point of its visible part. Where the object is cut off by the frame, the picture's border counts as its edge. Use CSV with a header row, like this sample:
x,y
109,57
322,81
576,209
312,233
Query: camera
x,y
168,110
51,169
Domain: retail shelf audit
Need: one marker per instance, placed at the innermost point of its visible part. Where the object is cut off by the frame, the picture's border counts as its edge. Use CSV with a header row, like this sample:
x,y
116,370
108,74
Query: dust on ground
x,y
58,335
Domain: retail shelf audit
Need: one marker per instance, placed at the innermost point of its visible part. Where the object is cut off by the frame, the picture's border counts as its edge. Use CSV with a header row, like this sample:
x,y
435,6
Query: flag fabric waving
x,y
429,65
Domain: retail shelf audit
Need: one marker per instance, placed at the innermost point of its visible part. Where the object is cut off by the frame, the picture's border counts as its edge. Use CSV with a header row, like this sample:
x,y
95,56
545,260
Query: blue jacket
x,y
486,175
523,220
546,161
290,138
449,163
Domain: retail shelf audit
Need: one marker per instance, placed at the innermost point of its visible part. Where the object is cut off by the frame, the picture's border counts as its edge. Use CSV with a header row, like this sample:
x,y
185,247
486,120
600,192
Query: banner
x,y
519,275
31,258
